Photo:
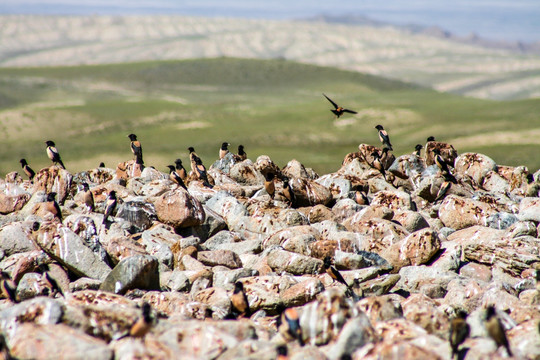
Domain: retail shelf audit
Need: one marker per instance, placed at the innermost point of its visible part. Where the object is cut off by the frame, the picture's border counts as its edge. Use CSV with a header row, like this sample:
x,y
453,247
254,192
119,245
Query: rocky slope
x,y
440,63
412,256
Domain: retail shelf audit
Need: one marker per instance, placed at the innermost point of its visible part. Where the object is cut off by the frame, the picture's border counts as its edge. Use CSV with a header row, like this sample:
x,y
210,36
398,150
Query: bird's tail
x,y
139,159
61,164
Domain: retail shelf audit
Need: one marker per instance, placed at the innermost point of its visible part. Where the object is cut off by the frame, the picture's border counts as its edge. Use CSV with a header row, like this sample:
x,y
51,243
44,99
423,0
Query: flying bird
x,y
136,148
338,110
53,153
239,301
27,170
383,136
459,331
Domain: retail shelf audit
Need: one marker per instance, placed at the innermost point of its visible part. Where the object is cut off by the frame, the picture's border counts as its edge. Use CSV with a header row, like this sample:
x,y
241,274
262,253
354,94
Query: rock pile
x,y
412,254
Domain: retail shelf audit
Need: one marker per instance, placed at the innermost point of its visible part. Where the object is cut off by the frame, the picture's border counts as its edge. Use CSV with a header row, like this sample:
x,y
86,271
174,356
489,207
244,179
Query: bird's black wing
x,y
333,103
350,111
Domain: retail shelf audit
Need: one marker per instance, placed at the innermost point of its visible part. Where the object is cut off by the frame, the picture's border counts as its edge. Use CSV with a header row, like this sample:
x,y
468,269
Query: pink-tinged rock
x,y
16,238
390,349
285,261
281,236
381,308
53,179
179,209
493,182
314,317
302,293
66,247
424,279
425,312
465,294
175,303
323,248
395,200
448,153
374,211
317,213
416,249
217,299
529,209
407,166
128,169
476,234
294,169
245,173
410,220
383,232
338,185
226,258
525,339
310,193
120,248
459,213
476,271
475,166
504,301
32,341
11,203
264,165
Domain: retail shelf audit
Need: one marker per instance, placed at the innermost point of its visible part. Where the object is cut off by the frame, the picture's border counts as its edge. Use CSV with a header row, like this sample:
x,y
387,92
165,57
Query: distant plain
x,y
272,107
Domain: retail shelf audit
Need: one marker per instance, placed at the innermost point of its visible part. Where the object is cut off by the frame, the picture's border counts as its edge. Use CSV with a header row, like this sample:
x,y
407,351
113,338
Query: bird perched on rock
x,y
239,301
417,150
223,150
430,138
53,153
110,205
136,148
52,206
27,170
361,198
88,197
282,352
384,137
459,331
180,170
200,172
288,193
533,187
8,287
442,191
495,329
50,281
175,177
443,166
288,324
336,275
143,325
269,185
338,110
377,163
4,350
241,153
192,156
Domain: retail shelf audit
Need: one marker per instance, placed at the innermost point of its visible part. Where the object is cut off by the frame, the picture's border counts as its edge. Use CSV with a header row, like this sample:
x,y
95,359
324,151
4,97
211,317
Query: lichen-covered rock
x,y
12,203
476,166
179,209
53,179
134,272
66,247
310,193
459,213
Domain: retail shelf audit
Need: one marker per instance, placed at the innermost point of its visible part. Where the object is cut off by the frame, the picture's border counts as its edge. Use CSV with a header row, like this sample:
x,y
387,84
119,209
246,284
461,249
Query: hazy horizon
x,y
510,20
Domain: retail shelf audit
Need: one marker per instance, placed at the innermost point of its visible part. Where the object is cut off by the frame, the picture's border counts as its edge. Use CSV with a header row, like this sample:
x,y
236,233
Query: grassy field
x,y
272,107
